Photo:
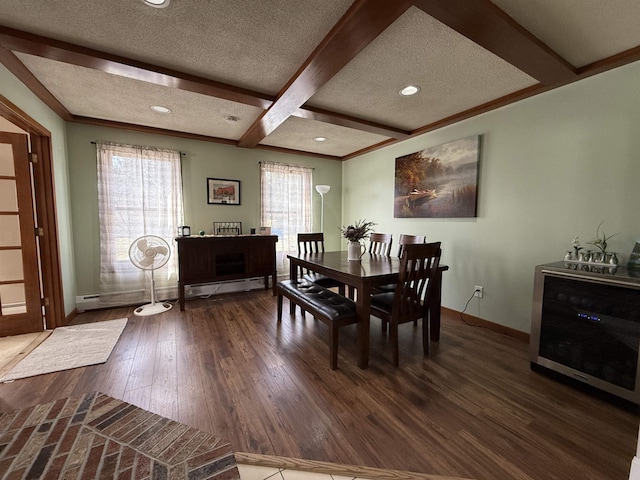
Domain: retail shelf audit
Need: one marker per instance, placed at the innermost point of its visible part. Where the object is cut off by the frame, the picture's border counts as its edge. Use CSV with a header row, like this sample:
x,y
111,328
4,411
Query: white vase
x,y
355,250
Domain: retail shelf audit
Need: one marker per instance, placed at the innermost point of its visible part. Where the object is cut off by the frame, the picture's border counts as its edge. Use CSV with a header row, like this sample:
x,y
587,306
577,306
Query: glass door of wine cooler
x,y
585,325
592,328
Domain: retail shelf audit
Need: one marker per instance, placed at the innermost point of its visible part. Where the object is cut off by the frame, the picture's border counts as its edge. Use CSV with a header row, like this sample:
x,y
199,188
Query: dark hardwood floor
x,y
472,408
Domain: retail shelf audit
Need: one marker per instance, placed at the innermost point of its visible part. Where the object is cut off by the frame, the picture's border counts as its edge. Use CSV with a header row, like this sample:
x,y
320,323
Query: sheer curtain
x,y
139,193
285,205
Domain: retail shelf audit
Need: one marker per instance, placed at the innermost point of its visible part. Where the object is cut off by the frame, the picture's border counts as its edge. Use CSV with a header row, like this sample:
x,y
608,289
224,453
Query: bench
x,y
332,308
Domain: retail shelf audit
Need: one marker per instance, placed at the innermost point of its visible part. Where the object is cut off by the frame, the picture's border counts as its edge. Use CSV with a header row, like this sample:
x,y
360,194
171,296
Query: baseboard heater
x,y
92,301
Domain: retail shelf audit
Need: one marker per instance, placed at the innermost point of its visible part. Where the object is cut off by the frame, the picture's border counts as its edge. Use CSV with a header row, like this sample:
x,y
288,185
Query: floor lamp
x,y
322,189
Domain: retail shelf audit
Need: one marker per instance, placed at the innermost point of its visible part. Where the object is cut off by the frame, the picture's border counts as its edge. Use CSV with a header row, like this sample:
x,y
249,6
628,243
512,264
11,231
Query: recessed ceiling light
x,y
320,139
409,90
160,109
157,3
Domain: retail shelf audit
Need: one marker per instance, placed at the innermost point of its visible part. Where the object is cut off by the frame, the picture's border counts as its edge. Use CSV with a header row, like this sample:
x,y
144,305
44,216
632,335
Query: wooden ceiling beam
x,y
484,23
358,27
24,42
333,118
15,66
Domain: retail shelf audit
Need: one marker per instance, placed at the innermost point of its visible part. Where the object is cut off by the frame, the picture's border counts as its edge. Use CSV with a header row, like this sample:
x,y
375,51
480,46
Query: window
x,y
139,193
285,205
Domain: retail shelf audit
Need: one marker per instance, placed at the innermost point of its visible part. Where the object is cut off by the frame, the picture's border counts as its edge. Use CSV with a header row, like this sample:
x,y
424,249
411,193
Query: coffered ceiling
x,y
275,74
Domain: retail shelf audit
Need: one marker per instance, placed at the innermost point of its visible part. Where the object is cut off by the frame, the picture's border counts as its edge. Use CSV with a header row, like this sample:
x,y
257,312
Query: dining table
x,y
363,276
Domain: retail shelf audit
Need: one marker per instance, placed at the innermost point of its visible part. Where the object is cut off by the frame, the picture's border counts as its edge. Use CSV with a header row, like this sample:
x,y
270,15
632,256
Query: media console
x,y
586,325
205,259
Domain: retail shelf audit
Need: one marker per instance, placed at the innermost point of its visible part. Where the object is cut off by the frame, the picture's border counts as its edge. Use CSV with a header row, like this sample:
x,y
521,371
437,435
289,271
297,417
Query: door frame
x,y
45,206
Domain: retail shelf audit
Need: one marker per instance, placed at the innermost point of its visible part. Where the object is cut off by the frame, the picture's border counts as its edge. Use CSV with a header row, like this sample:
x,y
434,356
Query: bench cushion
x,y
321,280
331,305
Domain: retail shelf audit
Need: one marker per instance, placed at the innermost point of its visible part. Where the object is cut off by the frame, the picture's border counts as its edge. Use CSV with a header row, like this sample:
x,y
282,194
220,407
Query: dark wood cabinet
x,y
219,258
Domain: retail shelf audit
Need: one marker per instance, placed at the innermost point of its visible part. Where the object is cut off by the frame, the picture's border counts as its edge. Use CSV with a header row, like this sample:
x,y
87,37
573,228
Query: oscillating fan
x,y
150,253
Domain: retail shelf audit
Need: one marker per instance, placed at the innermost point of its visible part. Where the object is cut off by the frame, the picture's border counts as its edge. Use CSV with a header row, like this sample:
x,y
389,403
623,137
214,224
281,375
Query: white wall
x,y
21,96
552,167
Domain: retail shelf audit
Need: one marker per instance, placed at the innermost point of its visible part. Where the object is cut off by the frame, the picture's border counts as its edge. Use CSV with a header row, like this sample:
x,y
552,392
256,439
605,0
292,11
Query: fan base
x,y
152,309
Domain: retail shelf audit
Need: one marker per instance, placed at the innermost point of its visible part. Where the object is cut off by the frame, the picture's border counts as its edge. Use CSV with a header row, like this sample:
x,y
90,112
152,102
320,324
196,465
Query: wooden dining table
x,y
371,271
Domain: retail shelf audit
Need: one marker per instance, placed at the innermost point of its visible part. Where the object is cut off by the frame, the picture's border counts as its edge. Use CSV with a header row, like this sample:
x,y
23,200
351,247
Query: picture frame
x,y
439,182
222,191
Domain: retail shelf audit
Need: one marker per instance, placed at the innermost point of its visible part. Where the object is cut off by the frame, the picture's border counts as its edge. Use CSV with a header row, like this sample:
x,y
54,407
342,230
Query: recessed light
x,y
320,139
409,90
160,109
157,3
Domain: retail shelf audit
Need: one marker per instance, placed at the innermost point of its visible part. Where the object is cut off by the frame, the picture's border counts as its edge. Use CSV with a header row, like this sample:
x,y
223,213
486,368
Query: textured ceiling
x,y
276,74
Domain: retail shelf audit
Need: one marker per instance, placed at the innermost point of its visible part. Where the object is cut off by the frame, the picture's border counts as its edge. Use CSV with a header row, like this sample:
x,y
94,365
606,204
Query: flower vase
x,y
355,250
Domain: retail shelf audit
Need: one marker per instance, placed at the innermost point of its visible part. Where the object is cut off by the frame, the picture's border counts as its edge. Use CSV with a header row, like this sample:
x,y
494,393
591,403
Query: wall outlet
x,y
478,291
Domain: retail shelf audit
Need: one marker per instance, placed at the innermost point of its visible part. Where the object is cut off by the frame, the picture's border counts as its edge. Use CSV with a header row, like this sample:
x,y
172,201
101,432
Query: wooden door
x,y
20,305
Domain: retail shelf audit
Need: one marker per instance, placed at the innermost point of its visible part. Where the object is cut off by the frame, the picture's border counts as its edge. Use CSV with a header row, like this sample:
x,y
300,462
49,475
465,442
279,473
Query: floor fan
x,y
150,253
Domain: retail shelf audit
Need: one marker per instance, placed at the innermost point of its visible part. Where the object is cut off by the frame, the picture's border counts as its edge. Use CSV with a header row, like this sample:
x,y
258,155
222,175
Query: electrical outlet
x,y
478,291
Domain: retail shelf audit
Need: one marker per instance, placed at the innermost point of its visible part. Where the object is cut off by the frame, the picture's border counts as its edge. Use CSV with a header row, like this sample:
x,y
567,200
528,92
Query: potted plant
x,y
355,234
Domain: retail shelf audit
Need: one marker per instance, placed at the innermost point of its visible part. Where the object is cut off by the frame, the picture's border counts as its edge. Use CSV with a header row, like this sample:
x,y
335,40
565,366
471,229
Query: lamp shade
x,y
322,189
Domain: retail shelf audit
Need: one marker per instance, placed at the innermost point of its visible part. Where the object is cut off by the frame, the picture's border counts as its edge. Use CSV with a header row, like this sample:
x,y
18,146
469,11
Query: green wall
x,y
553,166
200,161
21,96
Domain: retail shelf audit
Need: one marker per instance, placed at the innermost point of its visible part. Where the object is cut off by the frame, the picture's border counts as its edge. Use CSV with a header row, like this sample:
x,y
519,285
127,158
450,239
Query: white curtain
x,y
286,205
139,193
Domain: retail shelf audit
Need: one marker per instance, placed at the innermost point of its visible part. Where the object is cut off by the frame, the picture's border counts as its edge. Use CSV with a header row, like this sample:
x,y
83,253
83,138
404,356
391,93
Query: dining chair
x,y
404,240
380,244
314,243
408,240
410,300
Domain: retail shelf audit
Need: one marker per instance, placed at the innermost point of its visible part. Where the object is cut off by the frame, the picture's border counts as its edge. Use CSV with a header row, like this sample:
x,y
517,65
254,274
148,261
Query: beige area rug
x,y
70,347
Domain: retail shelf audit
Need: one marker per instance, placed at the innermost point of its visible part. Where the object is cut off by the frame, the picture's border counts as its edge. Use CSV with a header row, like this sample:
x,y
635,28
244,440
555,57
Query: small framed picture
x,y
221,191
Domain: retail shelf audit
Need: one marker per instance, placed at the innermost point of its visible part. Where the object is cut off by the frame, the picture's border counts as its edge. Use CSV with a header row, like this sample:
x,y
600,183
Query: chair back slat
x,y
380,244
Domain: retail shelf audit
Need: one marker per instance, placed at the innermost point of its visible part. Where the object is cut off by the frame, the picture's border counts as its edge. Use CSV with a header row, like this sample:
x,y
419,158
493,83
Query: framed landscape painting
x,y
223,192
438,182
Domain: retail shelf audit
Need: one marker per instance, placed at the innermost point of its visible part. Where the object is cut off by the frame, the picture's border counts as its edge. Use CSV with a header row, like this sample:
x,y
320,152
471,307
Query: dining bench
x,y
330,307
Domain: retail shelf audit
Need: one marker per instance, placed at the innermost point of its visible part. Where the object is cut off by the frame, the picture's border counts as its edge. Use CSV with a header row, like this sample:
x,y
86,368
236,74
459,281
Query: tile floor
x,y
252,472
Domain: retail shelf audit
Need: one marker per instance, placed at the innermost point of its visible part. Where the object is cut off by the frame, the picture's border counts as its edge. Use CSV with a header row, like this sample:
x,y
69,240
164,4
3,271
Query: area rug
x,y
70,347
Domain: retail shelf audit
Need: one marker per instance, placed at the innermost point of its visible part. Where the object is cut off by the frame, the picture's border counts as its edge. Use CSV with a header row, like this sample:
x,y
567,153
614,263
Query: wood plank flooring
x,y
472,408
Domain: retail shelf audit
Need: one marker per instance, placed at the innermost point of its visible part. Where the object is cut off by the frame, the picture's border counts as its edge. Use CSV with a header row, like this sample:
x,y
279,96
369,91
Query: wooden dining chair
x,y
314,243
408,240
404,240
410,300
380,244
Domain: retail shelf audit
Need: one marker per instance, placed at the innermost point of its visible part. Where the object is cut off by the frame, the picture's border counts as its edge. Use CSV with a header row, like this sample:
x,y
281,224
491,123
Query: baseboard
x,y
496,327
68,319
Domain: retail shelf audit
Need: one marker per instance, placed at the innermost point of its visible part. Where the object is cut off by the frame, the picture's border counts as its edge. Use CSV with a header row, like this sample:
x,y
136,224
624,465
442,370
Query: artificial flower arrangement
x,y
601,242
358,231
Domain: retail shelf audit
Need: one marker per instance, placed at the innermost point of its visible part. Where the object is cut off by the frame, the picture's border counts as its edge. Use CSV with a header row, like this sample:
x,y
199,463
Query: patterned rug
x,y
70,347
97,436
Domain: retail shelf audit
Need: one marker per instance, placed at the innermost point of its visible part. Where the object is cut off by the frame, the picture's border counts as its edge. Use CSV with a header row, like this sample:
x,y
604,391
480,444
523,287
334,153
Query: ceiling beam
x,y
358,27
490,27
24,42
15,66
333,118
